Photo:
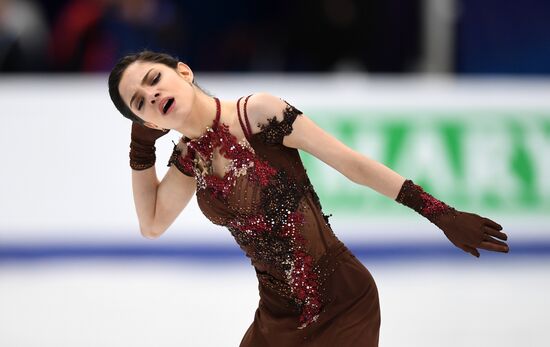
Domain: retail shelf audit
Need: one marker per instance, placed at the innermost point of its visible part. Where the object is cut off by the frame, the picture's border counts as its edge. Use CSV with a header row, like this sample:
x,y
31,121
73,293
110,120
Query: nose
x,y
153,97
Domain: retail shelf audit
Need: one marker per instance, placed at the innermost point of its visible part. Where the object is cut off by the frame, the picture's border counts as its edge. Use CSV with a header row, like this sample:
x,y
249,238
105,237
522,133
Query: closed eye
x,y
156,79
153,82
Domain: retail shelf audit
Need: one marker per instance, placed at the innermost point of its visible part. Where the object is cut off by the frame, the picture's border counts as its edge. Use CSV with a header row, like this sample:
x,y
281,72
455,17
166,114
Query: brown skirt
x,y
350,319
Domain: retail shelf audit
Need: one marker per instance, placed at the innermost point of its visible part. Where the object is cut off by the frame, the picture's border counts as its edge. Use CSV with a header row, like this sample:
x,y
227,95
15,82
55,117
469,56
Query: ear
x,y
186,72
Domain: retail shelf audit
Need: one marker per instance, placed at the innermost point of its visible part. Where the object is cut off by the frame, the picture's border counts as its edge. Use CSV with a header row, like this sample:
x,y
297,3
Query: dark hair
x,y
120,67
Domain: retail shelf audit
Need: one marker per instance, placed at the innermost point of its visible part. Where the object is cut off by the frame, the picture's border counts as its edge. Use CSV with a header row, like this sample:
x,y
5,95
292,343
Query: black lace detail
x,y
266,248
277,200
267,239
274,131
279,286
284,194
309,187
174,159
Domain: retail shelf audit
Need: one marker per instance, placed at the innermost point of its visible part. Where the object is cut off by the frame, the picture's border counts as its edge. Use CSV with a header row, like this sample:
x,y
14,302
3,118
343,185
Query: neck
x,y
202,116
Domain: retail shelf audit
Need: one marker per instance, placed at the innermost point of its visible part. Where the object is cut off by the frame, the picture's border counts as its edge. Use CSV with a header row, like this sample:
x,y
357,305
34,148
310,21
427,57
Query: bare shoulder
x,y
282,123
264,108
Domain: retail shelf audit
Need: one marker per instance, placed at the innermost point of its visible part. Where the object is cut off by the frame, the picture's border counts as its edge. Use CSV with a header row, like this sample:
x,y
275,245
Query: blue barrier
x,y
385,252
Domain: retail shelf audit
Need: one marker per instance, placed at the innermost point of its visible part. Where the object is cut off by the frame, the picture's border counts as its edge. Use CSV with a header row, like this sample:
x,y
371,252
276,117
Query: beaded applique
x,y
185,164
242,157
272,234
274,238
274,131
413,196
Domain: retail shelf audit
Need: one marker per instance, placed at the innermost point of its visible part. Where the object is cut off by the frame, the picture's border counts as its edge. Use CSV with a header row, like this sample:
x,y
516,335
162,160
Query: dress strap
x,y
218,112
245,125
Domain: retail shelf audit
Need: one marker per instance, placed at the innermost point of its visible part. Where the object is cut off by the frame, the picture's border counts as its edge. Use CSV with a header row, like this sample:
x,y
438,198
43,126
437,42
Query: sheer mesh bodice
x,y
267,202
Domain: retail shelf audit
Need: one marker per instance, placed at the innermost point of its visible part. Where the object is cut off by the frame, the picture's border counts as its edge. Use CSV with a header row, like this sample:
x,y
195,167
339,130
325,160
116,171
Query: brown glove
x,y
466,231
142,146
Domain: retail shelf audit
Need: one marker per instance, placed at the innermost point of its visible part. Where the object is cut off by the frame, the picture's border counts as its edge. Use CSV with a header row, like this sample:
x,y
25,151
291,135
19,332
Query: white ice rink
x,y
65,194
475,302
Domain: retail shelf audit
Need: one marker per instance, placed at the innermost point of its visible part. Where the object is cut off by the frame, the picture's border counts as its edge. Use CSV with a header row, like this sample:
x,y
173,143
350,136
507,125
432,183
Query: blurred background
x,y
453,94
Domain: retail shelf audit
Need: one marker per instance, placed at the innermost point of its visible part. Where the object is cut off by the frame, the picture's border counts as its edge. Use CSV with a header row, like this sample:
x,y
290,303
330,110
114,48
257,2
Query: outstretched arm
x,y
358,168
308,136
465,230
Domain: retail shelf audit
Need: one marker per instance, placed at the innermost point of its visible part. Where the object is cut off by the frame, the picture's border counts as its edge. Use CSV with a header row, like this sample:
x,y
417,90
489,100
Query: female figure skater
x,y
241,157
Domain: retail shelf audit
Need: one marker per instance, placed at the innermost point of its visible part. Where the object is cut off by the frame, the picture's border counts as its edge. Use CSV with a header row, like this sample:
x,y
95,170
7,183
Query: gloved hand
x,y
466,231
469,231
142,146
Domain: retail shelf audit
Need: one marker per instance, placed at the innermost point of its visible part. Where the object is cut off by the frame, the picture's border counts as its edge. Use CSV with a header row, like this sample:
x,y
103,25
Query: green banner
x,y
484,161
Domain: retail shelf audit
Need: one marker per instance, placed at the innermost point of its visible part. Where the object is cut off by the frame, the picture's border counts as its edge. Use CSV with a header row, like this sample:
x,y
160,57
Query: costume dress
x,y
313,290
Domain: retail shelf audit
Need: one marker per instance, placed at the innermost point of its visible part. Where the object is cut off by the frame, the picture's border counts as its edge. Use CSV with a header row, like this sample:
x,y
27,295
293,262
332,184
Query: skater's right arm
x,y
157,203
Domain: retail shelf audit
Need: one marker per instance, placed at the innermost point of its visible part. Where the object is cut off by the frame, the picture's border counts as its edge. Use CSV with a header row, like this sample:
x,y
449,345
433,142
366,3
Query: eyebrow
x,y
142,82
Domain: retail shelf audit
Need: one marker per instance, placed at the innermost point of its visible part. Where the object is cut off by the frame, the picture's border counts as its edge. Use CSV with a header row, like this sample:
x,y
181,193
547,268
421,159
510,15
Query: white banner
x,y
481,145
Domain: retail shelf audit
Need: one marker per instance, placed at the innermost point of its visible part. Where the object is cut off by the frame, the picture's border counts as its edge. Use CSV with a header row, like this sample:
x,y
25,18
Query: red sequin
x,y
414,196
219,136
273,235
252,224
432,206
187,161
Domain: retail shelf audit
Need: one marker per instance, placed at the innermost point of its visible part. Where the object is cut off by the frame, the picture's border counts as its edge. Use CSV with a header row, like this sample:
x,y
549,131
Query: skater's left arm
x,y
357,167
466,231
308,136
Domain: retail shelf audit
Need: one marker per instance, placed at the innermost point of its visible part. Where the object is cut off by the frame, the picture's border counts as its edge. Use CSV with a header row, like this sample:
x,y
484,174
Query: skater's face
x,y
158,94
